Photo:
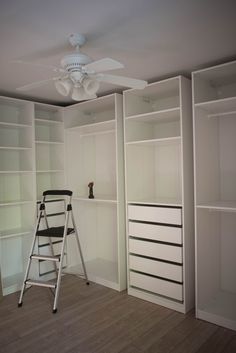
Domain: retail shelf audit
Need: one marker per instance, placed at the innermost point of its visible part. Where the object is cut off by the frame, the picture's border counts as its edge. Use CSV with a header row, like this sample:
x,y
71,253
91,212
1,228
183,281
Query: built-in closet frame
x,y
94,153
34,158
214,116
25,158
159,193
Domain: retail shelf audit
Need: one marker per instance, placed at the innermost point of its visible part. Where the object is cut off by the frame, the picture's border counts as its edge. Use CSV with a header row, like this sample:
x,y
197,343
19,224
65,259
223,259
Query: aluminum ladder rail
x,y
57,232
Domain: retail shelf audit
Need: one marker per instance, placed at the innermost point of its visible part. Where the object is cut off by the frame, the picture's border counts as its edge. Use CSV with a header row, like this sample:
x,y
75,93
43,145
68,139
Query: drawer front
x,y
156,268
156,232
155,214
156,285
156,250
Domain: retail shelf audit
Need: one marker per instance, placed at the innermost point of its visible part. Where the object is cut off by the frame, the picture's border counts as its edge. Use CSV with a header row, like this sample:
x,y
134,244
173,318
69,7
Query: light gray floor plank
x,y
96,319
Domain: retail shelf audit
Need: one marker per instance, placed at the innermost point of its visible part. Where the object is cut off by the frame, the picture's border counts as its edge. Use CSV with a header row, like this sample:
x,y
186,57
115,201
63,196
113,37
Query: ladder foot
x,y
54,311
20,304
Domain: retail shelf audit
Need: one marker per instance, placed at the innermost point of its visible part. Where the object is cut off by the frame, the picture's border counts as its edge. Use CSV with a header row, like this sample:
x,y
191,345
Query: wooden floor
x,y
96,319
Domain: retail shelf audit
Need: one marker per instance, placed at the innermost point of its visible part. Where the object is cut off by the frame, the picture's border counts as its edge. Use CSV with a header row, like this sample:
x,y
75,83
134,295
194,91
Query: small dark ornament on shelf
x,y
90,186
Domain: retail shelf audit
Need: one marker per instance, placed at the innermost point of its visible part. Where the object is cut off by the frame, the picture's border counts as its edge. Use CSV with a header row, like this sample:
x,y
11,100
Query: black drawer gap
x,y
157,206
156,259
162,278
157,223
158,295
155,241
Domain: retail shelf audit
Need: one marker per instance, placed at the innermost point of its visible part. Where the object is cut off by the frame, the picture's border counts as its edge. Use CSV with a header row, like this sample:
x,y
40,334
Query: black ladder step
x,y
56,232
50,200
40,283
55,258
54,214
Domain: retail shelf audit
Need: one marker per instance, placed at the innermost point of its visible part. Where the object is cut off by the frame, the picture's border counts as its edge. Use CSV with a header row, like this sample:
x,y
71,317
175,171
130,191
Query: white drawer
x,y
156,250
156,268
156,285
155,214
156,232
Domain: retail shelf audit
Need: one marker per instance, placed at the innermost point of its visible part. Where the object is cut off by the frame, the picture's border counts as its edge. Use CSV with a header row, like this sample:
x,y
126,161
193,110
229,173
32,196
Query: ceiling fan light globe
x,y
90,86
63,87
78,93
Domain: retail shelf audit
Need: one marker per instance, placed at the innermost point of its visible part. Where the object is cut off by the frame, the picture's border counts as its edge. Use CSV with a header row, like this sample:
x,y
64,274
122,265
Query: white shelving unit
x,y
17,188
94,129
49,140
214,107
159,193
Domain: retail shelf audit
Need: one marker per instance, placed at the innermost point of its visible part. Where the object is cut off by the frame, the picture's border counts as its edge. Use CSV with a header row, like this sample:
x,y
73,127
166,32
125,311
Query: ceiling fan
x,y
80,76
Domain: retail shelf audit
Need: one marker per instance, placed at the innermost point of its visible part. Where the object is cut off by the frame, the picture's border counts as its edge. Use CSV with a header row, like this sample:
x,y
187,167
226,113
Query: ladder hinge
x,y
42,207
69,207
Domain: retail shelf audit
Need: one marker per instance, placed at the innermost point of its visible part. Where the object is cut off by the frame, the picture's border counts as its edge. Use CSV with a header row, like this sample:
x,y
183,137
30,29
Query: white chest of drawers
x,y
155,254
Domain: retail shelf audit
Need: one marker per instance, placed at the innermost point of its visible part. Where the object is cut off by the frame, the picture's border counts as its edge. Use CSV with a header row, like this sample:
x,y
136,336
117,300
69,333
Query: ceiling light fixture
x,y
77,93
91,86
63,87
79,85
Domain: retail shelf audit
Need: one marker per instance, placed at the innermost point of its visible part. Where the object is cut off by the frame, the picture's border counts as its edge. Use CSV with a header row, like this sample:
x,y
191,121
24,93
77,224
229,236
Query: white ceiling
x,y
153,38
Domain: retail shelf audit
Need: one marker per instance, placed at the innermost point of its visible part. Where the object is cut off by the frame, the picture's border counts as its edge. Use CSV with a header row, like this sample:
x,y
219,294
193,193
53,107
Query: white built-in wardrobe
x,y
31,160
138,231
34,157
214,107
94,153
159,193
45,147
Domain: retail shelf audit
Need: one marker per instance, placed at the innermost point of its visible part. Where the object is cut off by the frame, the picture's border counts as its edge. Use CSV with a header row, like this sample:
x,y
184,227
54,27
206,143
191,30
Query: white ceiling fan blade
x,y
36,84
105,64
52,67
122,81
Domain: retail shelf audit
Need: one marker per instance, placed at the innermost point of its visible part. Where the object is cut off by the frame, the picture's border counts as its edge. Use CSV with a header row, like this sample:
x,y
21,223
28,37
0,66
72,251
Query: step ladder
x,y
52,232
55,211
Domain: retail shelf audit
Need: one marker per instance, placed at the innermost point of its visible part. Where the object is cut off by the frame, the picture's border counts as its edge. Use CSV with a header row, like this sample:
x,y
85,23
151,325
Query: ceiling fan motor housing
x,y
73,62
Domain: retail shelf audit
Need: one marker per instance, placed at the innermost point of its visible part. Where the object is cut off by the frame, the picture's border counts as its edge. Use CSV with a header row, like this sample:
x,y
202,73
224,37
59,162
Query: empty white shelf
x,y
219,106
166,115
47,121
15,125
49,142
14,203
9,233
99,198
156,142
219,205
50,171
15,148
100,127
